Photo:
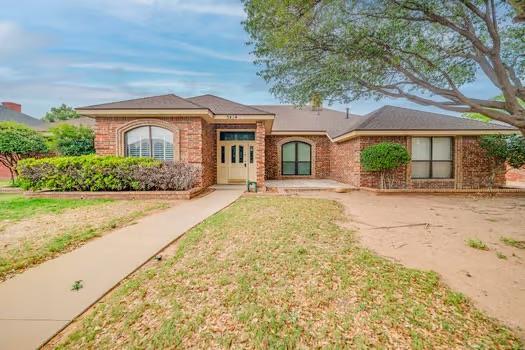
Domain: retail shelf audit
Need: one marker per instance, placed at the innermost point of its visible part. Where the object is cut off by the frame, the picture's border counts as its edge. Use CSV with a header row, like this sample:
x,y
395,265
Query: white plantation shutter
x,y
149,141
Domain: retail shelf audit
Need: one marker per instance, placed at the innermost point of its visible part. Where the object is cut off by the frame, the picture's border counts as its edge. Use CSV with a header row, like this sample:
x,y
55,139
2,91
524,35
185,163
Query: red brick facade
x,y
196,142
320,155
4,172
471,167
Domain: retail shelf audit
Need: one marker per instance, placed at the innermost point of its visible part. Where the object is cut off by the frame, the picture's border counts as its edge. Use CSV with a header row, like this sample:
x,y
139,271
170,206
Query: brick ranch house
x,y
232,141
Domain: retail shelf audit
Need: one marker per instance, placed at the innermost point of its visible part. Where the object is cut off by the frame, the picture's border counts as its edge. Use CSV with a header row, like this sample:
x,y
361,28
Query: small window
x,y
223,154
296,158
237,136
251,155
234,154
432,158
241,154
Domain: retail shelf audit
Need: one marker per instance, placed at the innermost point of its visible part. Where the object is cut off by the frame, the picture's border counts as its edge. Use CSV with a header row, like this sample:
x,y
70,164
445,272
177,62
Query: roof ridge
x,y
140,99
231,101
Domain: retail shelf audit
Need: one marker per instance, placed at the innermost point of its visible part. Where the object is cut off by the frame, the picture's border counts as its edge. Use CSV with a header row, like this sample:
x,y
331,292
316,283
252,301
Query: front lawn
x,y
35,230
15,207
278,272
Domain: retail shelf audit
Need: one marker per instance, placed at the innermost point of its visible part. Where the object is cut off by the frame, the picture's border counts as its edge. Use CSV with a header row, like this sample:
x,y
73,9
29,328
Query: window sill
x,y
433,180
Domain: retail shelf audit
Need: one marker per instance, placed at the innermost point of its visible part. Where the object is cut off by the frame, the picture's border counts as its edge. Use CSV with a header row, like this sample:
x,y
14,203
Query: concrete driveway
x,y
39,302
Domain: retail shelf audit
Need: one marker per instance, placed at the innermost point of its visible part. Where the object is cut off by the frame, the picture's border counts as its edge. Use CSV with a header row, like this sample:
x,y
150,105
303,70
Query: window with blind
x,y
432,158
296,158
149,141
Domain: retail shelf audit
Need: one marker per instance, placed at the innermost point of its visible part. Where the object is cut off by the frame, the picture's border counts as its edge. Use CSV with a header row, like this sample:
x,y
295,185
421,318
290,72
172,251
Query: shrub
x,y
70,140
16,142
501,149
384,158
108,173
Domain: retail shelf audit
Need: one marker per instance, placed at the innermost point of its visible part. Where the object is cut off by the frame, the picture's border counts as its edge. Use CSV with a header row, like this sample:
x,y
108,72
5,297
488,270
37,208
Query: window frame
x,y
296,157
431,160
150,142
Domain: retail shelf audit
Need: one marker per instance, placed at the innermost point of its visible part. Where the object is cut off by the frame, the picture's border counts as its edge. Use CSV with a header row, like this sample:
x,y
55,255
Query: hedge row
x,y
105,173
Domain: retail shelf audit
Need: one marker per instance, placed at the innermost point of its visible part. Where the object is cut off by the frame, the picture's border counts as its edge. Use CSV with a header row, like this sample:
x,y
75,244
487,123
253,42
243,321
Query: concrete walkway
x,y
39,302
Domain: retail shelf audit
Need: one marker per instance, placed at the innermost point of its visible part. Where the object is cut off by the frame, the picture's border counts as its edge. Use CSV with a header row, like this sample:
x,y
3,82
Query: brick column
x,y
260,138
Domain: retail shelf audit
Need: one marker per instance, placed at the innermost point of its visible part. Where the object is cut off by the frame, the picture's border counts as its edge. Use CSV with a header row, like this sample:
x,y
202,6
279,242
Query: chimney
x,y
13,106
316,102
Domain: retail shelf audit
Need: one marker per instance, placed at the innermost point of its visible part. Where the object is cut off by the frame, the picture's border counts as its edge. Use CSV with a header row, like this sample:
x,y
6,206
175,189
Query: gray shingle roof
x,y
169,101
219,105
398,118
7,114
289,118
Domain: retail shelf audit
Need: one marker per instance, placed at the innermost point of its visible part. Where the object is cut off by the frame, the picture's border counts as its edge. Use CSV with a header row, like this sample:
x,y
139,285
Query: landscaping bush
x,y
105,173
71,140
384,158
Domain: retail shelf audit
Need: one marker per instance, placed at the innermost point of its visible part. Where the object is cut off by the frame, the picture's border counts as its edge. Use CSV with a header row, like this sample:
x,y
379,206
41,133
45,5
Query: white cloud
x,y
14,40
212,53
126,67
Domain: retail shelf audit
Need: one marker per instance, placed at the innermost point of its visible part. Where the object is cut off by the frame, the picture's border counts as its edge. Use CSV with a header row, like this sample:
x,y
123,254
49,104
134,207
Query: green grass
x,y
500,255
33,251
279,273
5,183
513,242
477,244
15,207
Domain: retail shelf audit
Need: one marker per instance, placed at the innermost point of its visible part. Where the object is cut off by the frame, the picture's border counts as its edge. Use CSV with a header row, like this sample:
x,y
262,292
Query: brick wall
x,y
260,138
471,167
373,179
190,144
4,172
320,155
475,168
344,162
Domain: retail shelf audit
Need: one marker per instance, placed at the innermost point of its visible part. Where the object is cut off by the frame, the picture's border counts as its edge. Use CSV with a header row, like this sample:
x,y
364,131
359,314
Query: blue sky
x,y
82,52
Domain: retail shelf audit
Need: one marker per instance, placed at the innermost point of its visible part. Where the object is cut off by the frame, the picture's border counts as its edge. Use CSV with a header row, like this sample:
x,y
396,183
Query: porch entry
x,y
236,160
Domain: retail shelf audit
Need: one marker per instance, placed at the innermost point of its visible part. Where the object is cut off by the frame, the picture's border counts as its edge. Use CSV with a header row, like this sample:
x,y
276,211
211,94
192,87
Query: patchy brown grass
x,y
53,229
278,272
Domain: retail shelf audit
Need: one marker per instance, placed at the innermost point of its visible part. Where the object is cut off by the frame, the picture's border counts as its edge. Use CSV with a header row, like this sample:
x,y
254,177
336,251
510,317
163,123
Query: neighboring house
x,y
10,111
232,141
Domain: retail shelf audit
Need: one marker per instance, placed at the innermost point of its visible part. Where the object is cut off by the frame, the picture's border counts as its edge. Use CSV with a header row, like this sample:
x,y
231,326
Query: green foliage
x,y
513,242
384,156
502,148
484,118
477,244
108,173
346,50
82,173
70,140
63,112
18,141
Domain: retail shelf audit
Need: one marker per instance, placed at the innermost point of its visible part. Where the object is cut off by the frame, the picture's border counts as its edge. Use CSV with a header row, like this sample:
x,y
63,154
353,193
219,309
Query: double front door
x,y
236,161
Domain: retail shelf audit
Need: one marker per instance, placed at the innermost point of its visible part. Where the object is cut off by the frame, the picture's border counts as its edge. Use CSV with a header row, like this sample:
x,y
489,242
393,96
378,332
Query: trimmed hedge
x,y
105,173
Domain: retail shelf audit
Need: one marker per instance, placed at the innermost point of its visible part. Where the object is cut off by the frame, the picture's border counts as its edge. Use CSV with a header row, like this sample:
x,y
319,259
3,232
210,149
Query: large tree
x,y
62,112
16,142
421,50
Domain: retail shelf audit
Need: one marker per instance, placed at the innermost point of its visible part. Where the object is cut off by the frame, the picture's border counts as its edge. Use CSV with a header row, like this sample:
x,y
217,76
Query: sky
x,y
83,52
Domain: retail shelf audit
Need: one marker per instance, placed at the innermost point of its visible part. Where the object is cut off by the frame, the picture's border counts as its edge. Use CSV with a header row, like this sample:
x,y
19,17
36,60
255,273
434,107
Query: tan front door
x,y
236,162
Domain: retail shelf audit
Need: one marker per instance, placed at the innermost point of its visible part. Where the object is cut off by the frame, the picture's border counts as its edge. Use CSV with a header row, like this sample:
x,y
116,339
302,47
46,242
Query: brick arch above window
x,y
312,155
123,129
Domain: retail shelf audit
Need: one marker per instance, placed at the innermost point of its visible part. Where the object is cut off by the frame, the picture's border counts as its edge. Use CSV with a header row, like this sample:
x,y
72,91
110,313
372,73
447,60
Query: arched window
x,y
149,141
296,158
